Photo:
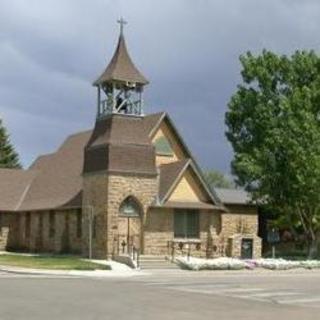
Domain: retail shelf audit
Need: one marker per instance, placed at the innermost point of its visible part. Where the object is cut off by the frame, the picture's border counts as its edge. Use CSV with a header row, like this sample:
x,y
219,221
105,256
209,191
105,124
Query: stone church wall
x,y
241,222
104,193
95,195
143,188
30,232
159,234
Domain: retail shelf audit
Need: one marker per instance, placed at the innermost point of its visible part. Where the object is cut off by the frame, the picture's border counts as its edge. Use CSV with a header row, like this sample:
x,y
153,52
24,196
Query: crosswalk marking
x,y
299,301
237,290
288,296
276,294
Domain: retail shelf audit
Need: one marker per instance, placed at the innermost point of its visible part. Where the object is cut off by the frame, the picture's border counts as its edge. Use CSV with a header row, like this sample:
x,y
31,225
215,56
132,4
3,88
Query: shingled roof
x,y
121,68
169,173
55,180
234,196
120,144
58,180
14,185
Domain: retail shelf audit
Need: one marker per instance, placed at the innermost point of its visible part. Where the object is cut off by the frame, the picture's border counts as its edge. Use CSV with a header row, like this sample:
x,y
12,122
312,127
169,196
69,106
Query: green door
x,y
246,248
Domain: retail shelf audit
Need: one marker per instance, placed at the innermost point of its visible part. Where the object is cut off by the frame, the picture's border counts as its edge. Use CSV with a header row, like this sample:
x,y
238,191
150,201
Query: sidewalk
x,y
117,270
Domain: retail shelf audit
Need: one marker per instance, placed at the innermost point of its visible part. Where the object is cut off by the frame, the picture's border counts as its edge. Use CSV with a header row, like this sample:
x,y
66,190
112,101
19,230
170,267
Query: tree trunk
x,y
314,245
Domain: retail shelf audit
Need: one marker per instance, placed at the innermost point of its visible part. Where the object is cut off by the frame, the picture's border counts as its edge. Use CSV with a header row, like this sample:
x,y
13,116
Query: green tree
x,y
216,179
273,125
8,156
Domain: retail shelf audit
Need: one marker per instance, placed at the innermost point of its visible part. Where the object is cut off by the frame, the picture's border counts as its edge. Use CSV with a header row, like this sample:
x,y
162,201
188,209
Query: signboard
x,y
273,236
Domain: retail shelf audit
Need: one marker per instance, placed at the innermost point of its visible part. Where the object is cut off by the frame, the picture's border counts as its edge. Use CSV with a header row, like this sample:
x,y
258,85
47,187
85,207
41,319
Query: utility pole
x,y
90,224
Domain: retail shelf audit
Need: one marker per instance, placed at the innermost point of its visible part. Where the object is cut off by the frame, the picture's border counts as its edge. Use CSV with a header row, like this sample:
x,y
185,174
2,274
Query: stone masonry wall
x,y
159,233
142,188
95,197
240,222
35,236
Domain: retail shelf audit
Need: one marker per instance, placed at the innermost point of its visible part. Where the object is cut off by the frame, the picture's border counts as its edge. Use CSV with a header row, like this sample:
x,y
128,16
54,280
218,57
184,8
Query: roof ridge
x,y
25,192
185,160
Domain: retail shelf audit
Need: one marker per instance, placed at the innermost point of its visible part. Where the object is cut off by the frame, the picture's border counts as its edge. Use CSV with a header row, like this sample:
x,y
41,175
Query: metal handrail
x,y
135,255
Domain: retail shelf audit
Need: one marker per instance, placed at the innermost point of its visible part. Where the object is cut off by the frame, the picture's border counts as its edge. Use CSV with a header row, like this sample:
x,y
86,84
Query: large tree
x,y
217,179
273,125
8,156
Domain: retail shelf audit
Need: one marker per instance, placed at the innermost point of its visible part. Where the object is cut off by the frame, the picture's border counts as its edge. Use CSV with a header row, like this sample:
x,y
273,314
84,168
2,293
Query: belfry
x,y
120,86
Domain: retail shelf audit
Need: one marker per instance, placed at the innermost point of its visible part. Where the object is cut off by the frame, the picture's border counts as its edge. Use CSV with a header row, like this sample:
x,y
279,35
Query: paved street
x,y
173,294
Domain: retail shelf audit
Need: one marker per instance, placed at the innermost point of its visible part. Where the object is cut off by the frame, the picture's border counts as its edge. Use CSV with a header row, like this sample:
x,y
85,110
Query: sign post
x,y
273,239
90,224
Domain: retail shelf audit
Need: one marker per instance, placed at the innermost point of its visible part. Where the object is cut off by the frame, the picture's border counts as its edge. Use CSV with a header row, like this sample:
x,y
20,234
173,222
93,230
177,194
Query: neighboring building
x,y
131,182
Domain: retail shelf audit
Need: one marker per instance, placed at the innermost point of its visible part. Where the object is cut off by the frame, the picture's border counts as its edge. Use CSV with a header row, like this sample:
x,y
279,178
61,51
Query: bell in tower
x,y
120,87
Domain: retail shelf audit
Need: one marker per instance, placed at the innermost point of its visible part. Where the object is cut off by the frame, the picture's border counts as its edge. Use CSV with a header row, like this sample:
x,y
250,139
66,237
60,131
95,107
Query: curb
x,y
71,273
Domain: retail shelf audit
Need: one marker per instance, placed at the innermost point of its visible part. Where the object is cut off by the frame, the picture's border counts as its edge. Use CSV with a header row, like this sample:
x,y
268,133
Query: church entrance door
x,y
130,226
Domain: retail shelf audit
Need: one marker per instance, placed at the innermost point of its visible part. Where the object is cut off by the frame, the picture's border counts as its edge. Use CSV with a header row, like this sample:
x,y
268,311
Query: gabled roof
x,y
157,123
55,180
170,176
121,68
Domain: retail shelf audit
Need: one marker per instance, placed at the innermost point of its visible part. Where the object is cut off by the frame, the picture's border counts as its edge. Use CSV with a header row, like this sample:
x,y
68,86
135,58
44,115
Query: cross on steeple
x,y
122,23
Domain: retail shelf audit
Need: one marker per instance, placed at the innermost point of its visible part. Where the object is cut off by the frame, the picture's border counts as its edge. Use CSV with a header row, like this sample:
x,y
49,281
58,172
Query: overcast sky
x,y
52,50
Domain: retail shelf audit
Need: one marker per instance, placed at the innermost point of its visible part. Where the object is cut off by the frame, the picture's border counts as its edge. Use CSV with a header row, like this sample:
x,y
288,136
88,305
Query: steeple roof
x,y
121,68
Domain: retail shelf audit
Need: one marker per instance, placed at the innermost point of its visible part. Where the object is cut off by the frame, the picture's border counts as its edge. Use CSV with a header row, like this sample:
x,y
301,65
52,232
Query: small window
x,y
79,223
27,224
130,208
52,224
163,147
186,224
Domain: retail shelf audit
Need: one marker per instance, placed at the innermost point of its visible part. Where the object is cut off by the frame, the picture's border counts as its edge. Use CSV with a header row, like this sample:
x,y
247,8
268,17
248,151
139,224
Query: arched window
x,y
130,207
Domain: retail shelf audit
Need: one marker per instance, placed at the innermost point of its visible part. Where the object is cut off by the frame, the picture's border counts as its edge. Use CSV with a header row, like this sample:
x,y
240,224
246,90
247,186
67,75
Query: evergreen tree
x,y
8,156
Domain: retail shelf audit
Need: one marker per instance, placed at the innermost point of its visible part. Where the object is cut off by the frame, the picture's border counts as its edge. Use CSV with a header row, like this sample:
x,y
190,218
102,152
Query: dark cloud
x,y
51,51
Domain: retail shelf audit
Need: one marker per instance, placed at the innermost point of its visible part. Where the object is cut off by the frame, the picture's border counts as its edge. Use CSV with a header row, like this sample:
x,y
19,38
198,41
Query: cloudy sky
x,y
52,50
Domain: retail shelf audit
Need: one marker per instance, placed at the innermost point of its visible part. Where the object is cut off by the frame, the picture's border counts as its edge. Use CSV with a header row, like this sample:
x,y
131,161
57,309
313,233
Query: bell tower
x,y
120,86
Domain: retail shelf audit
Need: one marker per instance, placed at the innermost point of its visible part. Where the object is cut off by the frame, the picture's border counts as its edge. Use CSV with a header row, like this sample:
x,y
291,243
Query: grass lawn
x,y
54,262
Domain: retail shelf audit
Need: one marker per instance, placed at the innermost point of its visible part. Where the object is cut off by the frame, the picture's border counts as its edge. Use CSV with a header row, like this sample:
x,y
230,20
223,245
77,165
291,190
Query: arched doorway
x,y
130,215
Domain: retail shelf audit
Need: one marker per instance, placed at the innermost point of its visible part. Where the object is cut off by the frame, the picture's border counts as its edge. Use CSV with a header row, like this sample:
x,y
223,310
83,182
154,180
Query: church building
x,y
128,185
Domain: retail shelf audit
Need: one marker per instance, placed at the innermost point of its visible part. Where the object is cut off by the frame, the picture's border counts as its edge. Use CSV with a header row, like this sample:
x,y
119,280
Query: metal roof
x,y
233,196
